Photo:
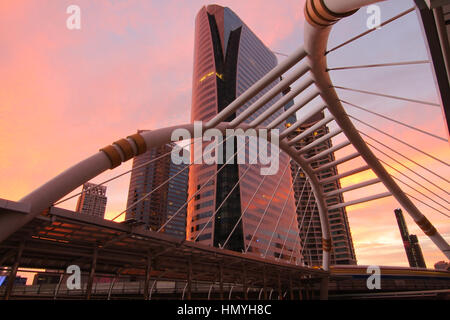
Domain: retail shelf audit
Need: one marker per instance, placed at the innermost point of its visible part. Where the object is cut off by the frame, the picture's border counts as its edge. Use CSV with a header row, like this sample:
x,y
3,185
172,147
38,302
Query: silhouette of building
x,y
442,265
166,198
410,242
228,59
343,251
92,201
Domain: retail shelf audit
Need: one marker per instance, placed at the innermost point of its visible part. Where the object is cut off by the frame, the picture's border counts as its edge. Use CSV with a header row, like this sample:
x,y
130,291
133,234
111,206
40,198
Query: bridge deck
x,y
59,238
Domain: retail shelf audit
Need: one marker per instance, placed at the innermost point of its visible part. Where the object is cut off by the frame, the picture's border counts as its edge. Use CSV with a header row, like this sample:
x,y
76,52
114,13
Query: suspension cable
x,y
380,65
409,159
222,203
151,192
403,142
282,212
306,236
240,218
413,187
307,230
301,223
398,162
372,30
294,216
396,121
119,175
267,207
388,96
162,184
426,204
198,191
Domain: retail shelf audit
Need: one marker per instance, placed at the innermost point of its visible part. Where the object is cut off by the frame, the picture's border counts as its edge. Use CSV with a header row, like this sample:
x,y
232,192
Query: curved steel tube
x,y
112,156
316,40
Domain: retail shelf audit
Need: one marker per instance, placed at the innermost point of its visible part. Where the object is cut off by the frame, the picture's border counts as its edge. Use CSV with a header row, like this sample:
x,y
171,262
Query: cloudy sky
x,y
66,93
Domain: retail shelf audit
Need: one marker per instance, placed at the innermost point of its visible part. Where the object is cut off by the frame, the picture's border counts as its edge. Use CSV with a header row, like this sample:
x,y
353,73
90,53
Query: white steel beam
x,y
359,201
352,187
297,106
344,174
270,77
310,130
316,40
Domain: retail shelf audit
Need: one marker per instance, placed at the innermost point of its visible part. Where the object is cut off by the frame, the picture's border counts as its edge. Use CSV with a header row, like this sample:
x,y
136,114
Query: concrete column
x,y
244,282
291,290
13,272
148,271
189,279
221,281
265,283
91,275
112,285
280,293
324,288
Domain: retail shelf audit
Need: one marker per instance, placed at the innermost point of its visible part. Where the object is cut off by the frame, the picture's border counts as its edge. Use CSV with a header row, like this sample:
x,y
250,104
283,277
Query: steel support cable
x,y
405,63
294,216
395,121
306,236
282,212
418,191
443,206
398,162
372,30
223,202
162,184
301,224
199,190
307,230
151,192
268,205
245,210
388,96
117,176
401,141
426,204
409,159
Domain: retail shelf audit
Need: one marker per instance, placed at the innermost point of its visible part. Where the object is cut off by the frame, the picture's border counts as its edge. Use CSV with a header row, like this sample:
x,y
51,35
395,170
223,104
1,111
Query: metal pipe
x,y
316,39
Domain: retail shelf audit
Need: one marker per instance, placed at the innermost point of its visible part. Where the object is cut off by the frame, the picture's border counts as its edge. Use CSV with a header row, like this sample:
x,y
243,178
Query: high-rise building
x,y
166,199
410,242
343,251
92,201
228,59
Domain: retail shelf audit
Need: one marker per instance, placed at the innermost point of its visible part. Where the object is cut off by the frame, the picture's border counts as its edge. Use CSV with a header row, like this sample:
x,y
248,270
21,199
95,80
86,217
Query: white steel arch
x,y
111,157
321,15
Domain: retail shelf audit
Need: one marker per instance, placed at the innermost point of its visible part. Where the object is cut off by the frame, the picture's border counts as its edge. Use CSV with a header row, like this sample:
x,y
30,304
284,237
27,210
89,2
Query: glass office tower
x,y
163,203
228,59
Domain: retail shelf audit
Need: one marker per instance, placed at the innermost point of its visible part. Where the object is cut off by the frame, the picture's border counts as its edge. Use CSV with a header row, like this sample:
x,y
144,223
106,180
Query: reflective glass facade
x,y
163,203
343,251
228,59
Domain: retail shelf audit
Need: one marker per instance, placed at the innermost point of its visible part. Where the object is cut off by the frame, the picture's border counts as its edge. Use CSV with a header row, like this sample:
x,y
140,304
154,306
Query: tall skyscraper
x,y
410,242
343,251
163,203
228,59
92,201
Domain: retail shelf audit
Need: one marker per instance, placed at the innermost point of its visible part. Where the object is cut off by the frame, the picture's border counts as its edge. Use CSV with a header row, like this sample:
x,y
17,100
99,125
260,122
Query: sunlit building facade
x,y
343,251
92,201
228,59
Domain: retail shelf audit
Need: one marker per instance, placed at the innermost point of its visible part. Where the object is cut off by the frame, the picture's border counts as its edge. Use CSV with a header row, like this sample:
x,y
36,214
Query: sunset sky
x,y
64,94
